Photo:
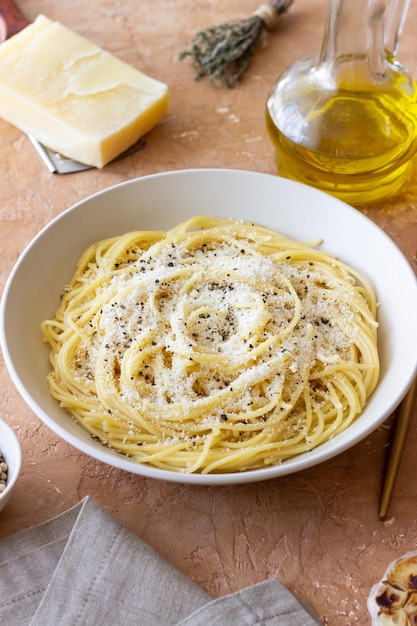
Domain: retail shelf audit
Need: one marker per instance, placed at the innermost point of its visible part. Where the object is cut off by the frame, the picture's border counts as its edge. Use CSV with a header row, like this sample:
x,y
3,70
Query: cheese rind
x,y
74,97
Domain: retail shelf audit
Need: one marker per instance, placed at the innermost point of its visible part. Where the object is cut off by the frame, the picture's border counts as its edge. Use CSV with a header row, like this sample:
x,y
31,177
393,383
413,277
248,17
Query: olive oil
x,y
350,137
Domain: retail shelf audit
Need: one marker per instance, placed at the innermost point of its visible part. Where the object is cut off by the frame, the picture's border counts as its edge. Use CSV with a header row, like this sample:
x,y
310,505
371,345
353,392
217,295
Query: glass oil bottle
x,y
345,120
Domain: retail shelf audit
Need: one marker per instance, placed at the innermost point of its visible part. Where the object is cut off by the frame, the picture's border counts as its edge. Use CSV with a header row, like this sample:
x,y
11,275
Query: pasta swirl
x,y
218,346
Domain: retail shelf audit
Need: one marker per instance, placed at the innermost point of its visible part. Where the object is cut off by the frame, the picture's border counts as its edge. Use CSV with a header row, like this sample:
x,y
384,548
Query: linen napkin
x,y
84,568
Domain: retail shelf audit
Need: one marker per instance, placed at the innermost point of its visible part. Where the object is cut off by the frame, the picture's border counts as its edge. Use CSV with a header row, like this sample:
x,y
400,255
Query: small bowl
x,y
11,452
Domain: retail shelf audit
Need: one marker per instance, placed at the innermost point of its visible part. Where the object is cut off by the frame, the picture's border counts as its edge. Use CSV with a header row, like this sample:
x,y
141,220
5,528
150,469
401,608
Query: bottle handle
x,y
396,16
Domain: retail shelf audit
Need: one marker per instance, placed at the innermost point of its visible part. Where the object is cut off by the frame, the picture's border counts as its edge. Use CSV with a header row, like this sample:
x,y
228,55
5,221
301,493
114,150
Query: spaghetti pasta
x,y
217,346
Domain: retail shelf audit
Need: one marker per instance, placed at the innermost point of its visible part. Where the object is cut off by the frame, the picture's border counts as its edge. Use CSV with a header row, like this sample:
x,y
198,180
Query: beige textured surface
x,y
317,531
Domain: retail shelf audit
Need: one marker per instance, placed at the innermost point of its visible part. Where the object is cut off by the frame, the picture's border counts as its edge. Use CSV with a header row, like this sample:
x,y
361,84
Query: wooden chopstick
x,y
402,422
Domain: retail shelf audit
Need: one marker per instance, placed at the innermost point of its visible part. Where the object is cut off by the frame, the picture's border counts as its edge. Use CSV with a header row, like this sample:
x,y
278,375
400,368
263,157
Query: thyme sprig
x,y
224,52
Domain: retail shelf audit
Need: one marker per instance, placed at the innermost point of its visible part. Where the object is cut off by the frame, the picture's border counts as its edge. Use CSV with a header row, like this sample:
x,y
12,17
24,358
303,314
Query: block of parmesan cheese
x,y
74,97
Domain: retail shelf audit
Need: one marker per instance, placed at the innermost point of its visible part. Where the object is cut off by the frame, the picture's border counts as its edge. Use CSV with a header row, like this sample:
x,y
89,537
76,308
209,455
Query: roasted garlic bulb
x,y
393,600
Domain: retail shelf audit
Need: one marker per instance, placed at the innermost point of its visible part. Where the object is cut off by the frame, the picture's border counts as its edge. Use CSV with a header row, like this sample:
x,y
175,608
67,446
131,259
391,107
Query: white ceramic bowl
x,y
160,202
10,449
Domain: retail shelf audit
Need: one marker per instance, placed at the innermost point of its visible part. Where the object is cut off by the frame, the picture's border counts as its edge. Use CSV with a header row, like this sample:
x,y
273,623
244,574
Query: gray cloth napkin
x,y
83,568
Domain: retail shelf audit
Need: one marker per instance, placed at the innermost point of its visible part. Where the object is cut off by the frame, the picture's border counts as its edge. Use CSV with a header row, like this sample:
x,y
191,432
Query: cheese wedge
x,y
74,97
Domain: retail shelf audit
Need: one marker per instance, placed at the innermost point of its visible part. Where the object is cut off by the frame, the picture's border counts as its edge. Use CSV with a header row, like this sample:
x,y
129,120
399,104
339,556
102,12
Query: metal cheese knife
x,y
11,22
59,164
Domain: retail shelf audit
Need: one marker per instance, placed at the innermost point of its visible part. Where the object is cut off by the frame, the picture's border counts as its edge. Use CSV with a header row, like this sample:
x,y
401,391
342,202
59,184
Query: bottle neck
x,y
354,37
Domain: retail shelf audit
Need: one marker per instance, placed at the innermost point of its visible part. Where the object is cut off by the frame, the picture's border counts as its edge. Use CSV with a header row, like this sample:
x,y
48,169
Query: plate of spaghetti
x,y
211,326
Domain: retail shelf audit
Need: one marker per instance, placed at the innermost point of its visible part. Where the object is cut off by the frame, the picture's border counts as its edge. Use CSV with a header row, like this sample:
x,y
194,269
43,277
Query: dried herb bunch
x,y
224,52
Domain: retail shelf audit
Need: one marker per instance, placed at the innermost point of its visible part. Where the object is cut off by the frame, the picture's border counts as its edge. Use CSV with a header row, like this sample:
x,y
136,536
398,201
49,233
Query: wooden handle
x,y
13,18
402,423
